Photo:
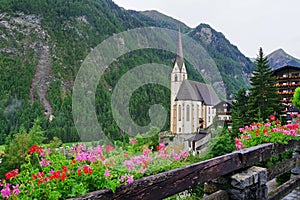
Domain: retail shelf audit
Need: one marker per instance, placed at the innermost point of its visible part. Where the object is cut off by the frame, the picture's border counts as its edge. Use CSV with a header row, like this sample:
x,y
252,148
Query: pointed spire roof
x,y
179,55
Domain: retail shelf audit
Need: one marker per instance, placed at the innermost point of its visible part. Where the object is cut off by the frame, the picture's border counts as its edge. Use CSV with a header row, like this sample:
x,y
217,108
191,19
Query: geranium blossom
x,y
11,174
107,173
272,131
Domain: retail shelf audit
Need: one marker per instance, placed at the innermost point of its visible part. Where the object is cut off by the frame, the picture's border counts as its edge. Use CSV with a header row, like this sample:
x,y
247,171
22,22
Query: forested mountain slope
x,y
43,44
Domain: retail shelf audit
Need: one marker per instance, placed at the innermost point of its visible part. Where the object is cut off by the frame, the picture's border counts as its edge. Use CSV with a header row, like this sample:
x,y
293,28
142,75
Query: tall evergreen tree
x,y
240,111
264,98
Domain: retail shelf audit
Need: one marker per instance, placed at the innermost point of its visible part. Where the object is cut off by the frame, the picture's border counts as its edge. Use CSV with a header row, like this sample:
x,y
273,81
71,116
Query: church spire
x,y
179,55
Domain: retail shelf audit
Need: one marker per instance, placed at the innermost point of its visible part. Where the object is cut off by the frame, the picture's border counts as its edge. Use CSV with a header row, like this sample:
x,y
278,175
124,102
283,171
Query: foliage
x,y
15,151
296,98
72,29
240,111
271,131
65,173
220,143
263,99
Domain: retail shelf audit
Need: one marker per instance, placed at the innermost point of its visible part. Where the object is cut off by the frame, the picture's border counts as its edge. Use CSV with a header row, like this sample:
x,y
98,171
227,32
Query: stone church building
x,y
191,102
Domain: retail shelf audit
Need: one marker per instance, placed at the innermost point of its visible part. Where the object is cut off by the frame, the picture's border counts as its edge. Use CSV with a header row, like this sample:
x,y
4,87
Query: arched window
x,y
179,113
187,113
176,78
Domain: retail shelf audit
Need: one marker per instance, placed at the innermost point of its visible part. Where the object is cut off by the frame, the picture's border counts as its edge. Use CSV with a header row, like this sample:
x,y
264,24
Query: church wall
x,y
190,112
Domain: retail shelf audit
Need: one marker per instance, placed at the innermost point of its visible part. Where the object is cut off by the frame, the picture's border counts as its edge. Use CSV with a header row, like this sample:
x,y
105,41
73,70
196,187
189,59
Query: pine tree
x,y
264,99
240,111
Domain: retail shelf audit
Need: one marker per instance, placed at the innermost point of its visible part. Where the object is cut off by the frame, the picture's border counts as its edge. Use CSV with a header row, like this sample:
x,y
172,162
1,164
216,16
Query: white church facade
x,y
192,103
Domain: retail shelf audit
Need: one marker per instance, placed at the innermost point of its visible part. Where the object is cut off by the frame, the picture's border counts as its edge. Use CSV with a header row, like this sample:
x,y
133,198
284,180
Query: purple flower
x,y
16,189
6,191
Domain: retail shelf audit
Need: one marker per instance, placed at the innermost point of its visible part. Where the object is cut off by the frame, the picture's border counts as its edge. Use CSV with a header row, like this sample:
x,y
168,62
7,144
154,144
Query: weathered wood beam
x,y
285,188
168,183
282,168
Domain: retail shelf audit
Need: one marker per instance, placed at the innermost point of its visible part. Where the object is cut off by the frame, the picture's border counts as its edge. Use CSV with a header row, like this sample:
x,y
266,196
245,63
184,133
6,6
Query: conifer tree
x,y
263,99
240,111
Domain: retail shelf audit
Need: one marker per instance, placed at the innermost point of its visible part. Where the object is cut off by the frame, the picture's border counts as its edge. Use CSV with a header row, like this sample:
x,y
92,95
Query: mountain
x,y
43,44
155,18
280,58
235,68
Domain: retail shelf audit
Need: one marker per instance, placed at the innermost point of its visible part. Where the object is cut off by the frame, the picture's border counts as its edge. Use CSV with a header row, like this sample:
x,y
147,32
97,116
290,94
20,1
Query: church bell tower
x,y
178,75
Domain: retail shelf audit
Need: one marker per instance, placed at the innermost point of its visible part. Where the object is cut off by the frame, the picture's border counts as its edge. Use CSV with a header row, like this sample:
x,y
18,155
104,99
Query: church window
x,y
179,113
176,78
187,113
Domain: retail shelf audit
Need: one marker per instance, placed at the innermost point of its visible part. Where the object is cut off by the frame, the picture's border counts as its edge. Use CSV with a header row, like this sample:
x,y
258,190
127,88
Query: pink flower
x,y
248,136
241,130
146,152
109,148
122,179
107,173
132,141
267,125
44,162
238,144
272,118
129,179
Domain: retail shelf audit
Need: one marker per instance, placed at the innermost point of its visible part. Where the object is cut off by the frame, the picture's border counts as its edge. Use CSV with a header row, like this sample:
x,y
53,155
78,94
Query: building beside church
x,y
192,103
287,80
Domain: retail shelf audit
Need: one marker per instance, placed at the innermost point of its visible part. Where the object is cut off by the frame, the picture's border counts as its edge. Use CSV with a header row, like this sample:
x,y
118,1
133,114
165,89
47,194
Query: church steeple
x,y
179,54
179,74
179,70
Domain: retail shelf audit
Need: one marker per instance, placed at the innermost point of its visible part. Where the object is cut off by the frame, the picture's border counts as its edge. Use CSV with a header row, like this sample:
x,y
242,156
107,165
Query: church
x,y
192,103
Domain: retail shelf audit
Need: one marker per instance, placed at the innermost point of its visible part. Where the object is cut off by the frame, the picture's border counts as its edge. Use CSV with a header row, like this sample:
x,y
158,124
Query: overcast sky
x,y
248,24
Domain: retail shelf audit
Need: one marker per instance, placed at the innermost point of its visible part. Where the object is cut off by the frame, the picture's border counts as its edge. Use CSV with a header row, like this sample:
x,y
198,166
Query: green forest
x,y
72,29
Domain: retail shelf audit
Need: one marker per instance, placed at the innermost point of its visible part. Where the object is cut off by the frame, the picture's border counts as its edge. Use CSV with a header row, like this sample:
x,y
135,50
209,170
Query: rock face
x,y
35,38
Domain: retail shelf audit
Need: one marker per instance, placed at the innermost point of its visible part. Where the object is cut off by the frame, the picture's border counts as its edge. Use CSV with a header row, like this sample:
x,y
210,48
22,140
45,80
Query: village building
x,y
223,110
287,80
192,103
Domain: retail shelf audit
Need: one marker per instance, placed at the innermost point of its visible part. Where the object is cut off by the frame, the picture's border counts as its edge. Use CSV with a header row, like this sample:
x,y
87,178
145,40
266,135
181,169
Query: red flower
x,y
12,174
73,162
277,122
87,170
63,176
161,146
79,172
32,149
35,148
272,118
64,168
264,131
109,148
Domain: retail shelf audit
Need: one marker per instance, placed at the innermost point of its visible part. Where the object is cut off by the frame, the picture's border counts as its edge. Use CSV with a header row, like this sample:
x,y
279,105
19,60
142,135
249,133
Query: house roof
x,y
197,137
196,91
285,67
224,101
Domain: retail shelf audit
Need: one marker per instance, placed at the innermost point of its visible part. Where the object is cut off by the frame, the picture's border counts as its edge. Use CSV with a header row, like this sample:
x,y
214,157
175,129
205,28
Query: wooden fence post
x,y
296,170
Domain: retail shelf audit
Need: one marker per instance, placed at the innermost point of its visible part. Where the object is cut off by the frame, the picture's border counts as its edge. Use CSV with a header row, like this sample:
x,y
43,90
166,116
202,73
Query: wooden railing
x,y
172,182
